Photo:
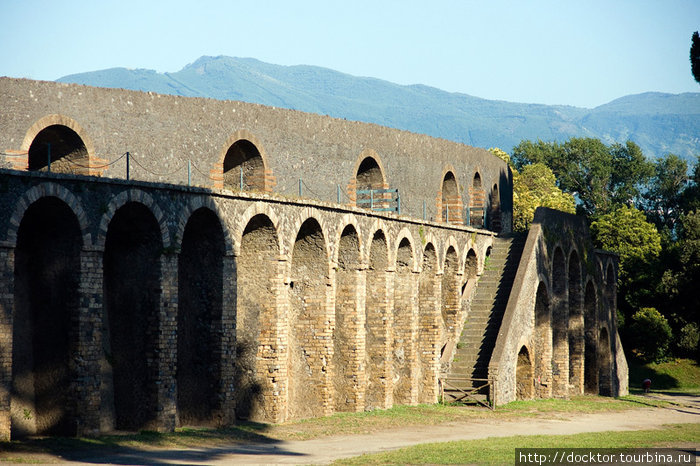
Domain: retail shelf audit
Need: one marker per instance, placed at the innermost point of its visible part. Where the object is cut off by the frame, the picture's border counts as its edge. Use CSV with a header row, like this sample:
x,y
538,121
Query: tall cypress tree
x,y
695,56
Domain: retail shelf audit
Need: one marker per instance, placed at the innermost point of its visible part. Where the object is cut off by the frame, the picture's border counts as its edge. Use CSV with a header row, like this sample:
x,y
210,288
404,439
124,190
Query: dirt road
x,y
327,449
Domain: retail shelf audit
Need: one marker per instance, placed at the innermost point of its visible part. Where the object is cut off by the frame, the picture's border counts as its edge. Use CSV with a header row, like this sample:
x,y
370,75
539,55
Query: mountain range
x,y
660,123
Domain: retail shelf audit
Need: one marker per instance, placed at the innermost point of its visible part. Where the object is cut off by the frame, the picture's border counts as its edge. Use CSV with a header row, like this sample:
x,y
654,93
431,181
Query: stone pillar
x,y
226,414
274,342
7,266
165,362
87,378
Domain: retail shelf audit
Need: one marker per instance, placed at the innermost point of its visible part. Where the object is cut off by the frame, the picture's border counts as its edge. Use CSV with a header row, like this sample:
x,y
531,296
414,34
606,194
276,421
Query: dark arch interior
x,y
66,147
375,323
200,302
132,294
476,183
576,324
369,176
590,357
524,376
451,206
257,267
243,167
403,348
47,272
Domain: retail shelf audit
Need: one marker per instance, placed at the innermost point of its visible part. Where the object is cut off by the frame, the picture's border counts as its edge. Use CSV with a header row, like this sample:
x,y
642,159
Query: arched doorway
x,y
604,364
257,290
591,343
543,343
200,304
132,294
451,201
376,325
346,334
524,386
451,293
244,168
368,179
404,338
61,148
495,209
308,322
477,202
47,274
560,324
576,326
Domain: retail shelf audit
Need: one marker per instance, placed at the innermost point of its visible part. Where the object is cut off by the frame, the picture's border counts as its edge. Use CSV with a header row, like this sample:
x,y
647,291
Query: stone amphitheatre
x,y
169,261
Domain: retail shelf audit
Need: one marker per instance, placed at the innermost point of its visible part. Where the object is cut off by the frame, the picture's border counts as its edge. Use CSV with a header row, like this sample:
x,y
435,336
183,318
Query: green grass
x,y
502,450
676,375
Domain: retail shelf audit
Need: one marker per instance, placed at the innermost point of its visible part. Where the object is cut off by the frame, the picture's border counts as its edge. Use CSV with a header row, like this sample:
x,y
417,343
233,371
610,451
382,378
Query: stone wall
x,y
563,302
194,307
165,135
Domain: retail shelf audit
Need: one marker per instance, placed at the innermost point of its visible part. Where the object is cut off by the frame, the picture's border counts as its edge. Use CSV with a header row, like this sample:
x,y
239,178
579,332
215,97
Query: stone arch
x,y
477,201
254,210
348,333
258,283
204,202
405,235
49,190
139,197
428,325
451,293
524,375
495,209
605,387
449,200
560,317
543,343
377,324
369,174
71,149
404,324
309,322
199,317
243,164
576,325
590,314
471,270
45,331
133,247
610,291
343,223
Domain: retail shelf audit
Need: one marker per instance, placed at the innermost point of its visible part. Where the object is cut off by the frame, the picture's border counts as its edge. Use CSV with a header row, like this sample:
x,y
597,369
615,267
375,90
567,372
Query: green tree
x,y
536,187
600,177
650,335
626,232
664,196
695,56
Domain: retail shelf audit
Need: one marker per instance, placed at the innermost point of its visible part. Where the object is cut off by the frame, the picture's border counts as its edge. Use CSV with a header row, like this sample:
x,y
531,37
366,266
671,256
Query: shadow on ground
x,y
153,448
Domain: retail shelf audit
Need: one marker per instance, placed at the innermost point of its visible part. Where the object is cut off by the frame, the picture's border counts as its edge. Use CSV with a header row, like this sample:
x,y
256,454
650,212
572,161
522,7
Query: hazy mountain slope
x,y
658,122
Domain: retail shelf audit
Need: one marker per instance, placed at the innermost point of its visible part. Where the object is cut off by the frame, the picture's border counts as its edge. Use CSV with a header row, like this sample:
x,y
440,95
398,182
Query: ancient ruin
x,y
170,261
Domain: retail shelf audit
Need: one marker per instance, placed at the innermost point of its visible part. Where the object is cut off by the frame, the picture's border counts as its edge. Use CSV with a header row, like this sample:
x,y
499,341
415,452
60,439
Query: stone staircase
x,y
478,337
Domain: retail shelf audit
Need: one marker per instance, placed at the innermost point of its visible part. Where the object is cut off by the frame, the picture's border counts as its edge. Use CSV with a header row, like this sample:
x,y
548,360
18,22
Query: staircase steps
x,y
478,337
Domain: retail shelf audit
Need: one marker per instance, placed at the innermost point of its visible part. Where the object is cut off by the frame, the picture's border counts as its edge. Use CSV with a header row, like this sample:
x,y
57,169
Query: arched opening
x,y
404,315
543,343
560,324
576,326
377,326
132,292
61,147
610,308
257,290
47,274
495,209
346,334
368,179
451,292
244,168
428,328
471,269
451,200
524,376
604,364
200,304
308,323
477,202
590,351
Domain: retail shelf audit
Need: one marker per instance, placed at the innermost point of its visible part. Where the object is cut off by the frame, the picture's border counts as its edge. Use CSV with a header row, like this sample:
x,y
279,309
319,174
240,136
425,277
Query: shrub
x,y
650,335
689,339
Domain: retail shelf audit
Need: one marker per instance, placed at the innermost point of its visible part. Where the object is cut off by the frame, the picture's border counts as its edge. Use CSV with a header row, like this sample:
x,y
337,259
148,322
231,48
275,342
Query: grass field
x,y
502,450
676,375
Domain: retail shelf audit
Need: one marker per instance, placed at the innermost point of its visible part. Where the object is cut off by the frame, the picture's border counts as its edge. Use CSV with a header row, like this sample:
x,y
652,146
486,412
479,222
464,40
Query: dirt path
x,y
327,449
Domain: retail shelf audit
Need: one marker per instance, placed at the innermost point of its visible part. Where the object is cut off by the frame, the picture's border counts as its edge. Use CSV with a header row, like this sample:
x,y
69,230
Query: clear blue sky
x,y
575,52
